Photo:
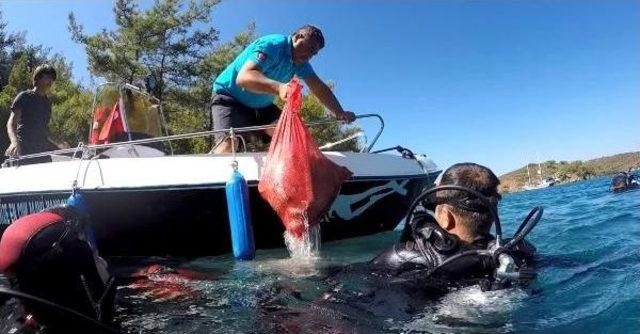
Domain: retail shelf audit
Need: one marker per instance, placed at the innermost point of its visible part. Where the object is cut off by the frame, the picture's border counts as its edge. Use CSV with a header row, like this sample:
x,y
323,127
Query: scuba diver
x,y
59,284
446,244
625,181
448,232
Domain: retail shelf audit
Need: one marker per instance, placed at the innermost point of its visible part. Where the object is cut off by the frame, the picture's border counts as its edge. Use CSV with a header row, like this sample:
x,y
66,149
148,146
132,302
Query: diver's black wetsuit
x,y
430,246
428,249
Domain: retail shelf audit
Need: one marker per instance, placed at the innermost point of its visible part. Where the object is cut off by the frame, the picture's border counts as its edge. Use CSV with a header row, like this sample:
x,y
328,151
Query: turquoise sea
x,y
589,282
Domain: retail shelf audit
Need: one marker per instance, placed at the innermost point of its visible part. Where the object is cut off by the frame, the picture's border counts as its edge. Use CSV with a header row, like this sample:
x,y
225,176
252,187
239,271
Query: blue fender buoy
x,y
240,217
79,203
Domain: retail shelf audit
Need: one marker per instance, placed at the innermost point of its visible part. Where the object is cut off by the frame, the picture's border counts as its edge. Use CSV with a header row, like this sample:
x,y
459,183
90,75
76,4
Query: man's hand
x,y
14,150
346,116
283,91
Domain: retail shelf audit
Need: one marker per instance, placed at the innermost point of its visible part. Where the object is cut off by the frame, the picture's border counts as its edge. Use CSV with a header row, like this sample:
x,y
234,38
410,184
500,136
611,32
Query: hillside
x,y
570,171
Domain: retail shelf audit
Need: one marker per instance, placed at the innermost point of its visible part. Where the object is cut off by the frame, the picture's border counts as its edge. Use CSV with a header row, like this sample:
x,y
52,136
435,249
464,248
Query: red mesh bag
x,y
298,181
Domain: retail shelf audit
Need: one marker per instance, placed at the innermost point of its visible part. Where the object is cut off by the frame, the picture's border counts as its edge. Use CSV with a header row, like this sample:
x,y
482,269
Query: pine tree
x,y
164,40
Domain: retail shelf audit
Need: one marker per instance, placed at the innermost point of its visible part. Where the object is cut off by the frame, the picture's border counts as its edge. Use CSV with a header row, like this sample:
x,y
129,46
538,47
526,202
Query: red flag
x,y
99,116
112,126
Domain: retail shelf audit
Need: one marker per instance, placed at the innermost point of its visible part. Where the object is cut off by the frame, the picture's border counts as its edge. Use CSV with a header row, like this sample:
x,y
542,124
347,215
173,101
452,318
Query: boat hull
x,y
176,205
193,220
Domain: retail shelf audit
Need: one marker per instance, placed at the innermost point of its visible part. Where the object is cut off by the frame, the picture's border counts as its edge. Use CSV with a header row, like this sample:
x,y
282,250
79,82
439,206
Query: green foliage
x,y
71,103
20,76
165,40
572,171
183,119
18,80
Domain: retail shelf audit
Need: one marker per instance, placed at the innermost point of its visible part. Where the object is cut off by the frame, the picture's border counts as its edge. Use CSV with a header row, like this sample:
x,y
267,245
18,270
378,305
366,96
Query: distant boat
x,y
544,183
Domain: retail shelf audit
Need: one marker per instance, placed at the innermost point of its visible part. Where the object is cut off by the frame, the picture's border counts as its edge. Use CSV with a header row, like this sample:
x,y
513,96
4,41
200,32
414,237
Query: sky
x,y
500,83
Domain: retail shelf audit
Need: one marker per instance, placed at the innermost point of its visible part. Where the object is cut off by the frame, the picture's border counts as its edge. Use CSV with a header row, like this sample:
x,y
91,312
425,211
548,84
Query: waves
x,y
590,263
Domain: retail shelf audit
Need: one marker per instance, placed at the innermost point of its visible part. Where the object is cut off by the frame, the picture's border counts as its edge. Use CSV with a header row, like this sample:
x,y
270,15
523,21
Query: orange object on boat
x,y
112,126
99,116
298,181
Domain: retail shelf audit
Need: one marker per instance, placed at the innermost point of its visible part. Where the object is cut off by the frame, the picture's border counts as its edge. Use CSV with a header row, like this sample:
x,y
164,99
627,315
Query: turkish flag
x,y
99,116
112,126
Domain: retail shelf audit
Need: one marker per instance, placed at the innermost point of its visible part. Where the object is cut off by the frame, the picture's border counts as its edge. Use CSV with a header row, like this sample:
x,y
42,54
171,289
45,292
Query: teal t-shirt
x,y
273,53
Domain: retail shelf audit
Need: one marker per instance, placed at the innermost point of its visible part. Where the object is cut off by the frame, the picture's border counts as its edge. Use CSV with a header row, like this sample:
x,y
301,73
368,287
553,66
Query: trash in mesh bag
x,y
298,181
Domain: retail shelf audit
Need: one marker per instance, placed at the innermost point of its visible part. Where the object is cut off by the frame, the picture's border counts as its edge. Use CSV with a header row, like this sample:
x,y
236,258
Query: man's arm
x,y
252,79
12,131
328,99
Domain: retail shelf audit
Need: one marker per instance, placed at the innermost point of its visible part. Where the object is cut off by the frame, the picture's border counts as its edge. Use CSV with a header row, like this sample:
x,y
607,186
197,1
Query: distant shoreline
x,y
568,172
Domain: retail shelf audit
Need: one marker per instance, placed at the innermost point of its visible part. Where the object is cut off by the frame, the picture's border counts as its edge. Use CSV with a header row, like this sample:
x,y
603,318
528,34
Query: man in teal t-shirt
x,y
243,93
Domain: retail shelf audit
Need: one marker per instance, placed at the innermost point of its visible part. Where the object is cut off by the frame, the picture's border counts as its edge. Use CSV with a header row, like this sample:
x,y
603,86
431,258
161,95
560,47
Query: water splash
x,y
306,247
471,310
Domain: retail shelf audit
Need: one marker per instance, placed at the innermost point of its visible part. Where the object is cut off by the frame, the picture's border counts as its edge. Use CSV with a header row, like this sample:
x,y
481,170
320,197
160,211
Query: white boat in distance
x,y
544,183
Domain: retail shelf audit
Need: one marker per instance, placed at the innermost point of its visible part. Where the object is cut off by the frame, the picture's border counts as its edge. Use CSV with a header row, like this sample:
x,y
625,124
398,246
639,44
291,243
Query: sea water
x,y
588,281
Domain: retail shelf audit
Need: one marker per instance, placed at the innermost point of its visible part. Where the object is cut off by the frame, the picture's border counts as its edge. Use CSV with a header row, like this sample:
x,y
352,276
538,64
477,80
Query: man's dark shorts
x,y
226,112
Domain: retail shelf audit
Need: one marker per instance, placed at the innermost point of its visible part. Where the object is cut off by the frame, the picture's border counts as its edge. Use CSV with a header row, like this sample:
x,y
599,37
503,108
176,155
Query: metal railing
x,y
375,139
82,148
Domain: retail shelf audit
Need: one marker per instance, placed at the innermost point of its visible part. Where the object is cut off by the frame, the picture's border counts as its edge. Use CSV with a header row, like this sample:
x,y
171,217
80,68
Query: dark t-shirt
x,y
32,127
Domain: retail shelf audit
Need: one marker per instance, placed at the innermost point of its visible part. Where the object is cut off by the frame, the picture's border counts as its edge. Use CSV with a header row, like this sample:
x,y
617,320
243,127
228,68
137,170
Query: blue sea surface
x,y
589,281
589,277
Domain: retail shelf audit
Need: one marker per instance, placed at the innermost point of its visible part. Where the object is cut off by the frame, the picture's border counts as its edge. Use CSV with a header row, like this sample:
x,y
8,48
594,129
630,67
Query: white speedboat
x,y
144,200
543,183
